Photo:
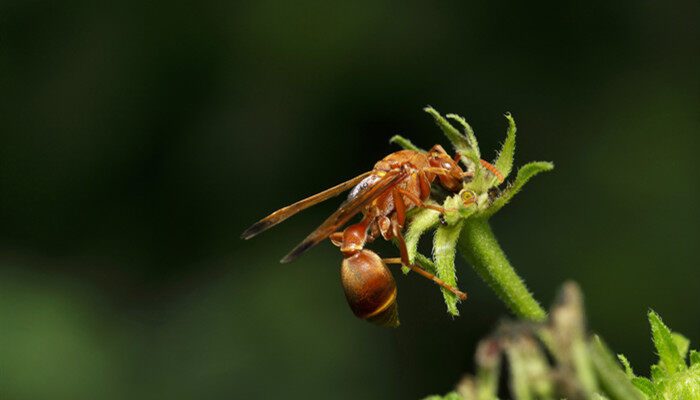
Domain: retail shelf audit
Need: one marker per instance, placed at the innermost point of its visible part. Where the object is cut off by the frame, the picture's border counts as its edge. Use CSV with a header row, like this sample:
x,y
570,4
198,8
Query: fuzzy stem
x,y
480,247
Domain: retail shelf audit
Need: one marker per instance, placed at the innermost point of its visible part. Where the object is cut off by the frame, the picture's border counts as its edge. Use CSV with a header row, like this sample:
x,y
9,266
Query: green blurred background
x,y
139,139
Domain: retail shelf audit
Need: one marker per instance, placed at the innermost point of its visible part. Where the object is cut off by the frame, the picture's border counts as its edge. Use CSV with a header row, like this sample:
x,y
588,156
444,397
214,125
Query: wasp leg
x,y
399,206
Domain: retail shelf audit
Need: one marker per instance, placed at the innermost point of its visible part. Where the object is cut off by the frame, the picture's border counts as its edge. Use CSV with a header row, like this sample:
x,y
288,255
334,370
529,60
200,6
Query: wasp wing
x,y
286,212
346,211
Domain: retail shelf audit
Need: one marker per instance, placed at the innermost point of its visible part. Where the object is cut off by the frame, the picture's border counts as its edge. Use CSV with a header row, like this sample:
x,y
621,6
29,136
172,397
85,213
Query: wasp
x,y
398,183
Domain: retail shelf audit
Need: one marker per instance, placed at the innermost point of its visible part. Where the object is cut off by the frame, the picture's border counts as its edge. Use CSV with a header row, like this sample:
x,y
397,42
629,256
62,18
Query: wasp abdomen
x,y
370,288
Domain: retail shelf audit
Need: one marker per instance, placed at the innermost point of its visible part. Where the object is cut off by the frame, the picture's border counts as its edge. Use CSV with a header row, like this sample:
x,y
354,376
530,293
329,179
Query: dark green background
x,y
139,140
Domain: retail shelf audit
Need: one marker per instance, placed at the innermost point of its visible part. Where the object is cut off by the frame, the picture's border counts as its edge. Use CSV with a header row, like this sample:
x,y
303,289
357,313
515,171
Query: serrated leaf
x,y
504,161
469,133
423,220
644,385
682,343
405,143
658,374
525,173
665,345
626,364
694,357
611,376
459,141
444,255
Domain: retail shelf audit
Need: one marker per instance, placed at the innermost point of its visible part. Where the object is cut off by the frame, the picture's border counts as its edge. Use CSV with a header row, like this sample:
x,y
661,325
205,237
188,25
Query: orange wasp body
x,y
398,183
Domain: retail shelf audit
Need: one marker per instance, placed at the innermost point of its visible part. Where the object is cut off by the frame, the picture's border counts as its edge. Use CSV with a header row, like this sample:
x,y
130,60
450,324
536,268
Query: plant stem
x,y
480,247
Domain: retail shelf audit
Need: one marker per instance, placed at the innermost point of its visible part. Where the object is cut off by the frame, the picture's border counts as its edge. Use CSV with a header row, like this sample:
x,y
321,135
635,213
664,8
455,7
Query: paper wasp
x,y
397,183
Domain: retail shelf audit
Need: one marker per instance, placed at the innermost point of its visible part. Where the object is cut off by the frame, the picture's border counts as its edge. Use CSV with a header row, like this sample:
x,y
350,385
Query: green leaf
x,y
597,396
694,357
405,143
682,343
658,374
644,385
611,376
525,172
459,141
444,256
665,345
469,132
423,220
504,161
626,364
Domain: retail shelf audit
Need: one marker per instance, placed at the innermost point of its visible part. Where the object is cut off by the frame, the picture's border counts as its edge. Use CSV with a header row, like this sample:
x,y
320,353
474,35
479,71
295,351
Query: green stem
x,y
480,247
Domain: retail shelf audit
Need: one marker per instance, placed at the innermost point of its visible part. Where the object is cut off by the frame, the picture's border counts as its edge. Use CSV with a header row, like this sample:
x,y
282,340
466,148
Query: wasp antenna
x,y
493,170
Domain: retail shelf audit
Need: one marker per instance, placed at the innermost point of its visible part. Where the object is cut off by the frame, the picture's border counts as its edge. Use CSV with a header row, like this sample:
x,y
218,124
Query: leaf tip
x,y
547,165
405,143
665,345
626,364
509,117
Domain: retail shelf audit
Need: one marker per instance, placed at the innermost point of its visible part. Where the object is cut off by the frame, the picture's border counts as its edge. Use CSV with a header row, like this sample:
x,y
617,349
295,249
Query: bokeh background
x,y
139,139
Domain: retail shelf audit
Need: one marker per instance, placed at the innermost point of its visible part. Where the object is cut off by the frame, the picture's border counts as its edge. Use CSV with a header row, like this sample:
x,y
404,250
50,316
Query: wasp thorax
x,y
370,288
